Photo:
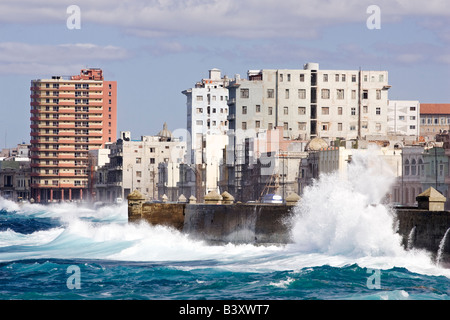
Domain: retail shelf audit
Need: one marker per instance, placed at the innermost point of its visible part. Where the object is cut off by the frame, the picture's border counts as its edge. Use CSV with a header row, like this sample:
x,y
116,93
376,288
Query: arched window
x,y
420,168
407,167
413,167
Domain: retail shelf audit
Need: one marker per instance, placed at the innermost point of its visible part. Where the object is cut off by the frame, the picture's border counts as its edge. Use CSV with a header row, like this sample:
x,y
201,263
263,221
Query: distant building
x,y
207,112
133,165
404,118
434,118
15,180
69,117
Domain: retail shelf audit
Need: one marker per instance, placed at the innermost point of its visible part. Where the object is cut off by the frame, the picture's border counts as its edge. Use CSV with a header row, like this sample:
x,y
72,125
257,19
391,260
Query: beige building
x,y
133,165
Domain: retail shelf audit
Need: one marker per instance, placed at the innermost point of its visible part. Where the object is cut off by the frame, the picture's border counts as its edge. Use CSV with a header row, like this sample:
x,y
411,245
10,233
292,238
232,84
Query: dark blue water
x,y
41,246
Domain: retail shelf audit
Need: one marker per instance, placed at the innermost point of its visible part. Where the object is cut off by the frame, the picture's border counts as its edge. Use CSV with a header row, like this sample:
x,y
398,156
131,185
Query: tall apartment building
x,y
307,103
310,102
207,112
404,117
69,116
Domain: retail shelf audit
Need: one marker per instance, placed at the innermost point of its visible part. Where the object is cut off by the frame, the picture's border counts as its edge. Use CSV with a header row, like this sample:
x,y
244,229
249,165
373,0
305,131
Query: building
x,y
307,103
310,102
15,180
133,165
404,118
207,112
69,117
434,118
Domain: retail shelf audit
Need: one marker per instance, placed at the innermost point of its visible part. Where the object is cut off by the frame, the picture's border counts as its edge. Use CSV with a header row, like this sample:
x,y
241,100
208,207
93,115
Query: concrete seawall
x,y
420,227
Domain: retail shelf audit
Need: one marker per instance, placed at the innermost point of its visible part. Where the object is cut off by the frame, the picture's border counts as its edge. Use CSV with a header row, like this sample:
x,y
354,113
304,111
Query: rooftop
x,y
435,108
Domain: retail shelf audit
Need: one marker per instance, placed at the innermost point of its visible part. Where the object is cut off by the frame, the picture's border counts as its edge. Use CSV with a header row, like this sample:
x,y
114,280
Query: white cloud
x,y
220,18
24,58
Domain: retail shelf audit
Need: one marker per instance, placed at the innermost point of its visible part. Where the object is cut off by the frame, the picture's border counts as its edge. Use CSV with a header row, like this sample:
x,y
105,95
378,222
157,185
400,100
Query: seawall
x,y
257,223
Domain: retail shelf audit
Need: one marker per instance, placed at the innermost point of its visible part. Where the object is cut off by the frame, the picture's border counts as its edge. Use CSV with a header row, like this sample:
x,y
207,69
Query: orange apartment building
x,y
69,117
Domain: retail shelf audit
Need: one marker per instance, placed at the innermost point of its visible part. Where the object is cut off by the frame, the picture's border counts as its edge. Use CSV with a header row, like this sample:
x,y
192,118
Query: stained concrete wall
x,y
247,223
271,223
430,228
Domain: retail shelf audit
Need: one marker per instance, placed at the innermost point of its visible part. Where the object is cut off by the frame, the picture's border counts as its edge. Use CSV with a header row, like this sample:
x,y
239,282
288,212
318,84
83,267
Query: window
x,y
365,109
302,77
244,109
325,126
301,110
244,93
199,98
285,126
138,174
365,94
152,150
270,110
412,127
286,110
257,124
138,160
288,77
258,108
325,94
270,126
352,128
406,167
378,94
302,126
353,77
270,93
244,125
325,110
401,117
381,77
199,110
378,126
353,111
336,77
343,78
339,110
340,94
286,94
325,78
302,93
364,125
152,160
353,94
412,108
339,126
378,110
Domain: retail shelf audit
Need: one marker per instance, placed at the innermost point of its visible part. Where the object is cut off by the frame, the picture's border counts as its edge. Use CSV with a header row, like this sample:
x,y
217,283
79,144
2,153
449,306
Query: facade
x,y
404,118
207,112
69,117
133,165
310,102
434,118
15,180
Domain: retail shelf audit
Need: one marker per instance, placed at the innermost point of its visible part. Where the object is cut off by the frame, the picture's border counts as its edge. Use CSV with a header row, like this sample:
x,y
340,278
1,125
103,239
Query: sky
x,y
156,49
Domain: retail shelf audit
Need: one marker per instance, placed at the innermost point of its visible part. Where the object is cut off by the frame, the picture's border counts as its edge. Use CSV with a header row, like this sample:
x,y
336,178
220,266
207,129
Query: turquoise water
x,y
119,261
344,246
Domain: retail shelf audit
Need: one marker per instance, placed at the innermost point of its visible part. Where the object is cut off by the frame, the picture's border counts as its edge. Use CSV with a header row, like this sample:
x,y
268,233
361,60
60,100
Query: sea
x,y
344,247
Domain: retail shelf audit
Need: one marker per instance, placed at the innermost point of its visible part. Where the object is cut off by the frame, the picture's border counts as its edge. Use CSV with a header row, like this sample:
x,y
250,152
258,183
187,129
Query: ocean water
x,y
344,248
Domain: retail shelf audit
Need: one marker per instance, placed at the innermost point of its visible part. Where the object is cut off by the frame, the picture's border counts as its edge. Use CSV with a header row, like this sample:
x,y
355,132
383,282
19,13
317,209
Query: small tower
x,y
431,200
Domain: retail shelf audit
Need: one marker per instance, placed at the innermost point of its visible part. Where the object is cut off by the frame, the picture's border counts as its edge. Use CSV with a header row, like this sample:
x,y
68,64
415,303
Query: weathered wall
x,y
430,228
271,223
249,223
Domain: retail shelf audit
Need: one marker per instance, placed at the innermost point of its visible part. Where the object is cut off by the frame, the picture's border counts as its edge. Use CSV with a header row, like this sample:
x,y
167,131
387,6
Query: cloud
x,y
24,58
220,18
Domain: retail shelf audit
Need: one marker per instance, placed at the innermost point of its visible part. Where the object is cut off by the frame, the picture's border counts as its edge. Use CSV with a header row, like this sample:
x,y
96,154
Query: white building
x,y
311,103
133,165
404,117
207,112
